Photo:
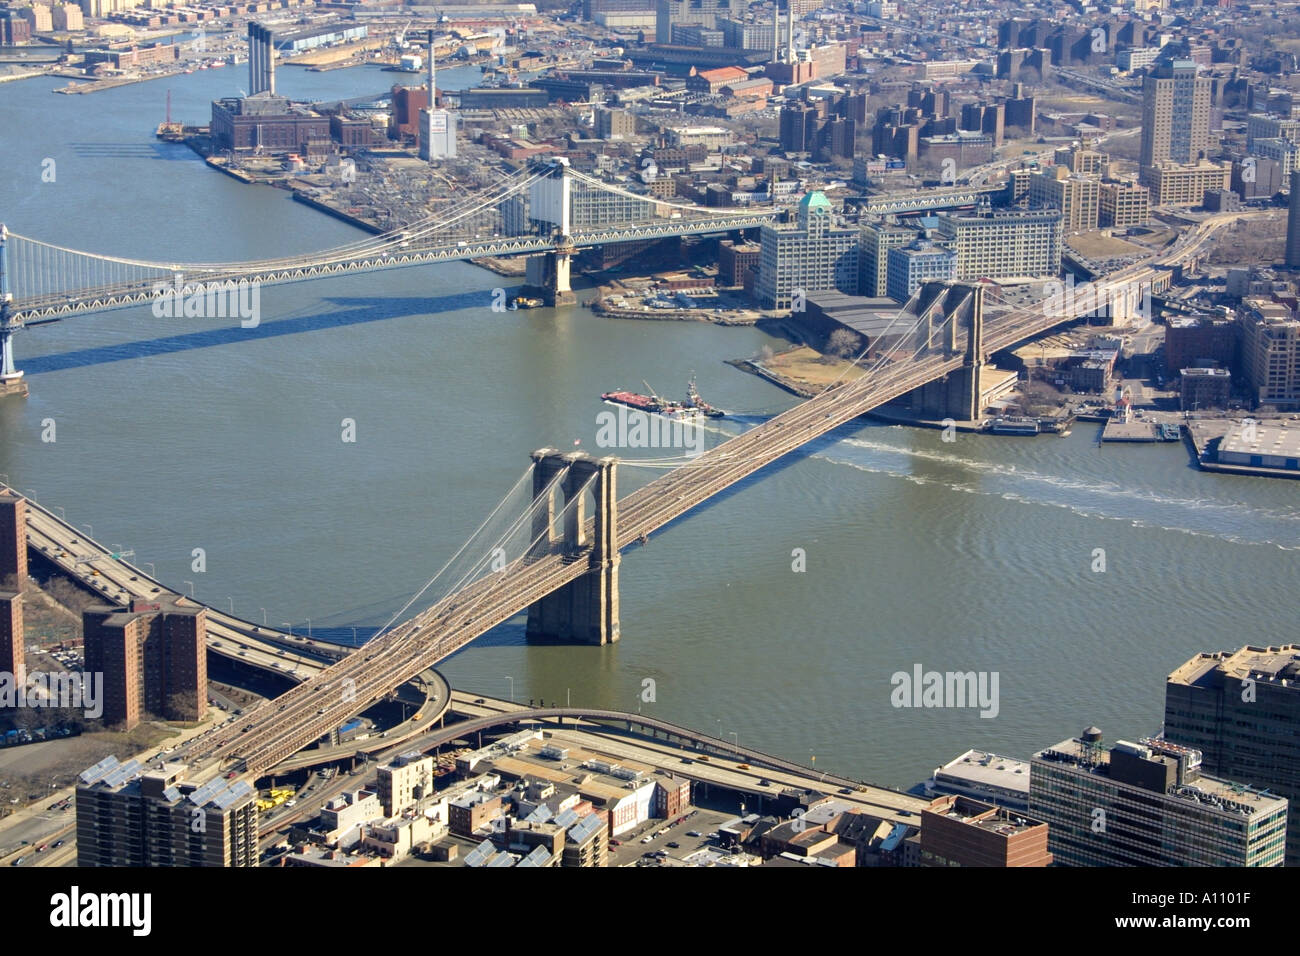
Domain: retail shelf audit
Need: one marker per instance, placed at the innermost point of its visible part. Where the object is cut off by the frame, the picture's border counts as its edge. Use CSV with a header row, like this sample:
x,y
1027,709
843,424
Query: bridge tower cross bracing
x,y
586,610
956,395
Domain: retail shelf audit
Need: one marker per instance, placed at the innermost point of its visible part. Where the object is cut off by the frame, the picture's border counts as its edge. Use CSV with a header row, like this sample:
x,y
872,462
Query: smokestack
x,y
433,89
789,7
253,69
261,60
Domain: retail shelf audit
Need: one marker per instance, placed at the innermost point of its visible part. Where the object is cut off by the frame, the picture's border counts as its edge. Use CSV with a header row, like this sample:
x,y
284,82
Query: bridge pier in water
x,y
11,379
548,275
584,611
957,394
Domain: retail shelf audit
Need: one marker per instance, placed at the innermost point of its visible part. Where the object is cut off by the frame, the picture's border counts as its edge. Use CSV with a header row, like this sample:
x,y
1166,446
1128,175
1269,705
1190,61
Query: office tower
x,y
1149,804
813,255
910,266
128,815
996,244
261,60
1174,184
1292,234
1175,114
1123,204
13,540
1240,709
1078,198
873,259
12,645
153,658
1270,353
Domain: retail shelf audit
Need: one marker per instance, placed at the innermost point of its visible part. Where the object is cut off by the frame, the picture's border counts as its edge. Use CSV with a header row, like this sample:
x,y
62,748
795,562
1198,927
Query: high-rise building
x,y
153,658
813,255
128,815
1241,710
908,267
1149,804
1078,197
615,124
1174,184
1292,237
12,646
984,118
1284,151
1123,204
1175,114
1268,126
67,16
675,13
1082,160
38,16
798,129
13,540
873,260
1270,353
1200,340
994,244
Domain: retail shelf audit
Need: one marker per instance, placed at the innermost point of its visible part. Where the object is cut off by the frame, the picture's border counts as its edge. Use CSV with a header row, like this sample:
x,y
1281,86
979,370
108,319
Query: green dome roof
x,y
815,200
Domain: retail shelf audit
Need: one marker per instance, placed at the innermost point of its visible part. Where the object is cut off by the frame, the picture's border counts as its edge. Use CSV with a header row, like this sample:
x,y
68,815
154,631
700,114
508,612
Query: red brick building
x,y
672,796
12,648
13,539
959,831
153,658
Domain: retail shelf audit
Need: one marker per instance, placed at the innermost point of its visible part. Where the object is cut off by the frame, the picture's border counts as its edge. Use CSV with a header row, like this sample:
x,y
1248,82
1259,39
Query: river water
x,y
976,555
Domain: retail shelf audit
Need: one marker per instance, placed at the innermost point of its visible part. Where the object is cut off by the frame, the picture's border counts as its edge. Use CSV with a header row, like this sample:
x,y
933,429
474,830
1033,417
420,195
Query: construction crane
x,y
398,42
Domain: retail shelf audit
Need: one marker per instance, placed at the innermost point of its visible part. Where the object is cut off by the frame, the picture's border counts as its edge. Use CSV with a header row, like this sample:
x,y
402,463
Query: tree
x,y
843,344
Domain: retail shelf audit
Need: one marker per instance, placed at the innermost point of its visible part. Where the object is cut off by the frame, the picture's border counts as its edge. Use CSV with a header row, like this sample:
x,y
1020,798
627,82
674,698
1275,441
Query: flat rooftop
x,y
1262,439
988,770
1271,664
1222,795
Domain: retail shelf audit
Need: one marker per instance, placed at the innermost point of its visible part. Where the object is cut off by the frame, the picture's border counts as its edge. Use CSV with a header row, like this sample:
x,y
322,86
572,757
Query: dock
x,y
1116,430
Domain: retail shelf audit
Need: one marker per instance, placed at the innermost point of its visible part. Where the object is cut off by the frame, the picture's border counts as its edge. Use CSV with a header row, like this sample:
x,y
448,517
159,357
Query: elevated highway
x,y
89,562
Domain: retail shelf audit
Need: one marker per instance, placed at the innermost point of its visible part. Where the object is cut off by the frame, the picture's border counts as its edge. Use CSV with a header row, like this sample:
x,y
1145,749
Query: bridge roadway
x,y
273,732
390,252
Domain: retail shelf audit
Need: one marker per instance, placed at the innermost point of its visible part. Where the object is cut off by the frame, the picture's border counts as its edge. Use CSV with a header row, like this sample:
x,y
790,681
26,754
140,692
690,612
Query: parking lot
x,y
643,845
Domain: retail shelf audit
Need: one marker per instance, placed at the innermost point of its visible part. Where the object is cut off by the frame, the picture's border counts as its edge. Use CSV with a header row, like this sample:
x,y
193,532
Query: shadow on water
x,y
353,312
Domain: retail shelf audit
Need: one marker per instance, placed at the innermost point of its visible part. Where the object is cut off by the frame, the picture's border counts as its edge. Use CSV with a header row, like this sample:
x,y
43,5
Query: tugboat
x,y
693,400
